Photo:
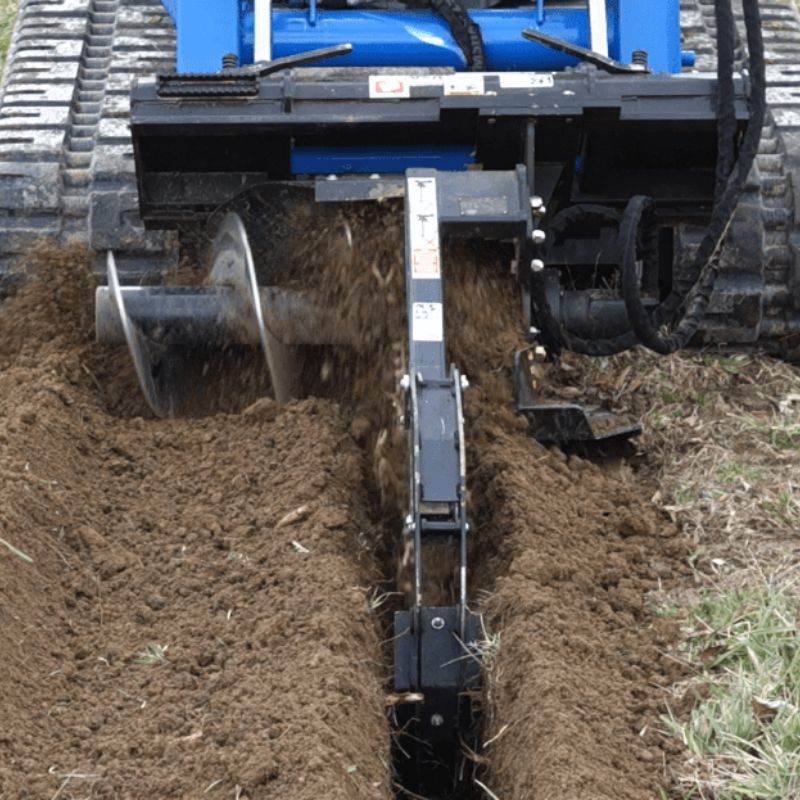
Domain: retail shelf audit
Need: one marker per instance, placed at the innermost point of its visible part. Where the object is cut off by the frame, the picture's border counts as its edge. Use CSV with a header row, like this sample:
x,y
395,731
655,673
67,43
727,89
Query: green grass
x,y
153,654
8,10
744,736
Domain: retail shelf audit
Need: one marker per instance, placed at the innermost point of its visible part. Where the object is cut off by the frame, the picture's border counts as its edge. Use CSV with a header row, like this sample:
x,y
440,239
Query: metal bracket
x,y
584,54
565,423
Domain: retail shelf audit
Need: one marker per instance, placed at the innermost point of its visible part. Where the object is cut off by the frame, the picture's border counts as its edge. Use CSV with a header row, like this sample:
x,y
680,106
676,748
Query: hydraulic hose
x,y
705,267
466,32
692,292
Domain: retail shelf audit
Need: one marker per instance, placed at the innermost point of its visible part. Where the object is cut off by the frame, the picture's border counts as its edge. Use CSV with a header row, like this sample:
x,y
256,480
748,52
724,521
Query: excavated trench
x,y
200,607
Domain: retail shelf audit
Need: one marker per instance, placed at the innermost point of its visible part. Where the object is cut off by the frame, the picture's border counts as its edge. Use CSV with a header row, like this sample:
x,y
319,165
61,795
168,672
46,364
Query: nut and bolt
x,y
537,203
437,623
437,720
538,236
464,383
405,382
537,265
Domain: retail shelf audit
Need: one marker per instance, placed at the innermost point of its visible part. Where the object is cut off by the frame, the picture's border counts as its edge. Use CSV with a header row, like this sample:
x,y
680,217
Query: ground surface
x,y
168,633
195,608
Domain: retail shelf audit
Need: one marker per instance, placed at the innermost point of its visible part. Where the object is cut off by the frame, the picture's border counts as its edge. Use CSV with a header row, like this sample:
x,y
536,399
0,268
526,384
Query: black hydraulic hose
x,y
692,291
705,267
555,334
466,32
726,94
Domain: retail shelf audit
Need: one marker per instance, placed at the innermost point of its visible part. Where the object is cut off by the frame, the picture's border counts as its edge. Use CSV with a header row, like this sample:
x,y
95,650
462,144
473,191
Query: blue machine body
x,y
209,29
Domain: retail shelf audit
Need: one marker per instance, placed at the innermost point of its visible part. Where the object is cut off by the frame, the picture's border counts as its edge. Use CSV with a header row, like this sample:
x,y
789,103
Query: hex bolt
x,y
536,202
464,383
538,236
537,265
437,623
405,382
437,720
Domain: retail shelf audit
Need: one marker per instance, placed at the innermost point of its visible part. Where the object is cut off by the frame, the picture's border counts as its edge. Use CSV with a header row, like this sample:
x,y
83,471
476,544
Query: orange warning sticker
x,y
425,262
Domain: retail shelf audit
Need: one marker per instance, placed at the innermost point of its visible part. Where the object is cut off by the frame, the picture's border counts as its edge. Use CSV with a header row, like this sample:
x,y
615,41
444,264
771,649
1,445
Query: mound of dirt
x,y
575,674
185,604
189,606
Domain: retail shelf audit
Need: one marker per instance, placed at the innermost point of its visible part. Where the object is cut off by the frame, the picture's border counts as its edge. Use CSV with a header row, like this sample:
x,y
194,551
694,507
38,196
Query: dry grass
x,y
722,445
722,454
8,11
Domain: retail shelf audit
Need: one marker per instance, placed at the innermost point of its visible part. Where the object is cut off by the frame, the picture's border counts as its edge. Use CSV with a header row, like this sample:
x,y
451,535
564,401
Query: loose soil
x,y
565,552
238,544
573,689
245,544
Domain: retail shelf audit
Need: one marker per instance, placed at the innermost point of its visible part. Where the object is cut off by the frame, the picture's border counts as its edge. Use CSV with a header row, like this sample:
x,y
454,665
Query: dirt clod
x,y
167,641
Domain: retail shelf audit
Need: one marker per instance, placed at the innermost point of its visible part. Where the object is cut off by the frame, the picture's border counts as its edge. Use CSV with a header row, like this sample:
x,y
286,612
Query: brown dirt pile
x,y
195,621
575,687
569,550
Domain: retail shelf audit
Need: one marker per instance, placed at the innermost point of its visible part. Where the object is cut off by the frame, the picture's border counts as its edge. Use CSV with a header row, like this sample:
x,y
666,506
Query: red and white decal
x,y
389,86
423,228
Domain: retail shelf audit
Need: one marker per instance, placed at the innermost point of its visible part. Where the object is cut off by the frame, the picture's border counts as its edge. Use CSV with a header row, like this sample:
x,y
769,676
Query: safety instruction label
x,y
457,83
427,322
423,228
464,83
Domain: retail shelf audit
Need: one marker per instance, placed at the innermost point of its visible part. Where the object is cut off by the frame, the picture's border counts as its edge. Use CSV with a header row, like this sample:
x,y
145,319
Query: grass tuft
x,y
8,12
153,654
743,737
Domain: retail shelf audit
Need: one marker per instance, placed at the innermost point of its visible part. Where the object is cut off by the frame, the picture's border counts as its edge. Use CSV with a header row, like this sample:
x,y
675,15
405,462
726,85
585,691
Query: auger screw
x,y
437,623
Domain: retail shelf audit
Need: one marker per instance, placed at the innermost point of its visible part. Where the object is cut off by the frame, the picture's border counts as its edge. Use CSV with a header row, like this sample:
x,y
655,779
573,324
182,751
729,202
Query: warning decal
x,y
423,228
427,322
389,86
457,83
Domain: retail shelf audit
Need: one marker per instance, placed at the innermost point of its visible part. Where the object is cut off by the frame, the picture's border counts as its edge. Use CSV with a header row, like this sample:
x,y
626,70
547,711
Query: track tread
x,y
66,161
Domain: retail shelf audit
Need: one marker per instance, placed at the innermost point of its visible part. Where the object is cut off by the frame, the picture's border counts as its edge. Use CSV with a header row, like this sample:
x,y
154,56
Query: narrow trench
x,y
448,775
562,553
491,304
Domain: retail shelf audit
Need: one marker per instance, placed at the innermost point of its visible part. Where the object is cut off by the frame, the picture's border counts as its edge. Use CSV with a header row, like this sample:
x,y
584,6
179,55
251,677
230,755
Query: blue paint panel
x,y
422,38
207,29
383,160
654,27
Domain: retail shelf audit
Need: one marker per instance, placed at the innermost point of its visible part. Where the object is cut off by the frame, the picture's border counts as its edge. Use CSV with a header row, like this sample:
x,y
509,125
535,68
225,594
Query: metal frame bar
x,y
262,33
598,27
